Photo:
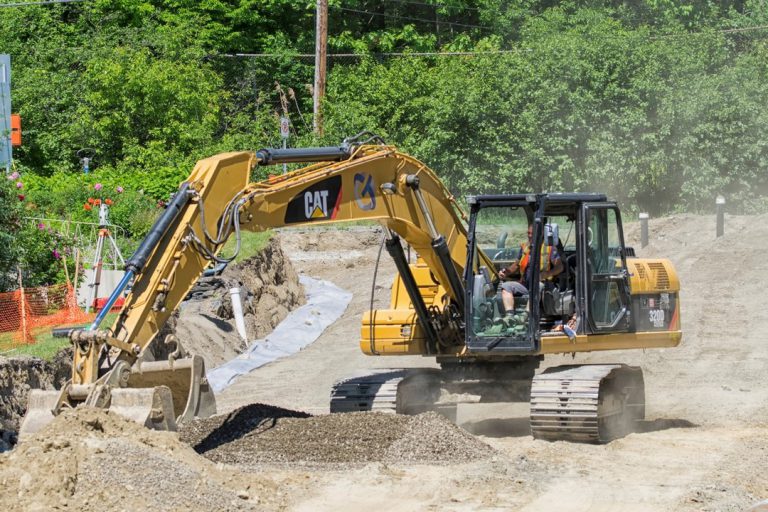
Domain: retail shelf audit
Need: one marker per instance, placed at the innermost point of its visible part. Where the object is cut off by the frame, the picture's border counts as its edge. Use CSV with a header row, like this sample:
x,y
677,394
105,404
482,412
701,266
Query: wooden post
x,y
321,42
23,307
77,269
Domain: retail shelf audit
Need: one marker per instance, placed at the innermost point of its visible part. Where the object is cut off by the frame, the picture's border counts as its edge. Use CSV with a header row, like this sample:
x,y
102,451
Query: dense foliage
x,y
10,213
658,103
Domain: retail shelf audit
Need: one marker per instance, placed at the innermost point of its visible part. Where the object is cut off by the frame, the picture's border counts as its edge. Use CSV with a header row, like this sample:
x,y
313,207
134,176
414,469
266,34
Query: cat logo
x,y
320,201
316,204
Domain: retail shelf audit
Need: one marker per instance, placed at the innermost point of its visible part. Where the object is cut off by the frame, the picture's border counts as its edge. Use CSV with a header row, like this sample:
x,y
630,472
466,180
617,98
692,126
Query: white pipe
x,y
237,309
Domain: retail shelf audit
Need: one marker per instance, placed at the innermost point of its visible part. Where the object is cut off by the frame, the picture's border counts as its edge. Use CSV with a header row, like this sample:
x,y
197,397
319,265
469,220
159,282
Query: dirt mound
x,y
89,459
259,434
269,290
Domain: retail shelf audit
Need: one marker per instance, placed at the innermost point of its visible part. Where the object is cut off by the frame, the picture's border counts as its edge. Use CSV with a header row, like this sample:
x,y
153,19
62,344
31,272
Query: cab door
x,y
605,280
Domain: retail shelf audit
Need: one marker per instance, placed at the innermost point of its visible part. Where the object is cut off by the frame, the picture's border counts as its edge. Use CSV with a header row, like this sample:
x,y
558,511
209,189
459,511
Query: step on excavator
x,y
447,303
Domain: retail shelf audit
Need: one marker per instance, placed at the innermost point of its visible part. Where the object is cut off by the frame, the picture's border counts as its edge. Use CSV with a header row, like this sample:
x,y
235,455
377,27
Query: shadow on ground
x,y
520,427
209,433
646,426
499,427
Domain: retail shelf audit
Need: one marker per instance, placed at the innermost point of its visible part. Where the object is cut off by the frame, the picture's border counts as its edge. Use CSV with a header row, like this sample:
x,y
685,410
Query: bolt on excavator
x,y
446,303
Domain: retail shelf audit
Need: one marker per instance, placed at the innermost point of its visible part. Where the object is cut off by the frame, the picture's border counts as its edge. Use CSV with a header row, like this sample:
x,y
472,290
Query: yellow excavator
x,y
446,303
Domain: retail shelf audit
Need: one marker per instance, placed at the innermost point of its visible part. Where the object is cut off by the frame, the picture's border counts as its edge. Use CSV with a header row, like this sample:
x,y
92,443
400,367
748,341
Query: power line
x,y
42,2
385,54
412,2
409,18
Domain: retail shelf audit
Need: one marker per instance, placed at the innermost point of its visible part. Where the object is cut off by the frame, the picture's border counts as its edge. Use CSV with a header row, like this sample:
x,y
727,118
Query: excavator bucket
x,y
40,407
192,396
158,395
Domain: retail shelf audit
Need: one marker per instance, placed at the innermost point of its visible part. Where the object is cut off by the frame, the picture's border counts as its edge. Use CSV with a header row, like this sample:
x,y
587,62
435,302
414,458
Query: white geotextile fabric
x,y
325,303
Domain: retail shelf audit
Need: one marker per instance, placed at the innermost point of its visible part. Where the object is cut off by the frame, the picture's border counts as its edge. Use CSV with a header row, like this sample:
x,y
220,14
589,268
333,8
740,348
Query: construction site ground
x,y
703,446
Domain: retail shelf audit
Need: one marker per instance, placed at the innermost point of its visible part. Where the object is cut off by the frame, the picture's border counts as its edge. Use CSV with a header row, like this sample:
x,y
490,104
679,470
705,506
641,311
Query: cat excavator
x,y
445,302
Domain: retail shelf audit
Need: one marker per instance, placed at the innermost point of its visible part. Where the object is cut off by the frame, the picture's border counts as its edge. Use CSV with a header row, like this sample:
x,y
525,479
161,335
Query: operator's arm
x,y
556,266
513,267
510,270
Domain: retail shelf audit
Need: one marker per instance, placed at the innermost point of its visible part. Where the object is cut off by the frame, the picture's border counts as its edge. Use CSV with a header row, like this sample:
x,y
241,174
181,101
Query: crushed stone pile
x,y
259,434
89,459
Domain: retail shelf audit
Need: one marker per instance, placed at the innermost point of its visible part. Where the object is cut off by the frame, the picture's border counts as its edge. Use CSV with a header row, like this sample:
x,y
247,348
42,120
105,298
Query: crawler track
x,y
408,391
587,403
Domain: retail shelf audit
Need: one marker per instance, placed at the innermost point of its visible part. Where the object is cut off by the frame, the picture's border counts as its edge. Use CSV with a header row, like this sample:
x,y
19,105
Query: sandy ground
x,y
704,445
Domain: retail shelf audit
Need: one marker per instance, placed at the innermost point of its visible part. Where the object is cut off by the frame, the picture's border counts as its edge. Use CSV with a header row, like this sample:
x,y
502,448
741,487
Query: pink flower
x,y
56,254
41,226
119,190
19,184
97,187
13,176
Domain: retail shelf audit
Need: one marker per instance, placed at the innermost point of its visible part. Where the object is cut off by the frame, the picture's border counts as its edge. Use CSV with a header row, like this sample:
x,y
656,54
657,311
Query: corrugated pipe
x,y
237,309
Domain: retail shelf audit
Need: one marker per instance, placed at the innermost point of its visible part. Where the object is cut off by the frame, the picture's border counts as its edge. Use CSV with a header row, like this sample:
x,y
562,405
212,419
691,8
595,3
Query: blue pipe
x,y
121,286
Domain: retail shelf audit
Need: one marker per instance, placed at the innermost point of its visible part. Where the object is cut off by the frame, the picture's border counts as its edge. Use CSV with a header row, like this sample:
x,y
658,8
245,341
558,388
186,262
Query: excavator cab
x,y
582,232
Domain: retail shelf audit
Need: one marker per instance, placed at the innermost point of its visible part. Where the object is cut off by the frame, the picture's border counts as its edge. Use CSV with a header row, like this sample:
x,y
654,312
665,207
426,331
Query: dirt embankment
x,y
17,376
269,290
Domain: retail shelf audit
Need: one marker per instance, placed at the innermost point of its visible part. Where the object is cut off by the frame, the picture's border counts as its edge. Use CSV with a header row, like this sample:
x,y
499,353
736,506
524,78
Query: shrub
x,y
42,253
10,211
77,197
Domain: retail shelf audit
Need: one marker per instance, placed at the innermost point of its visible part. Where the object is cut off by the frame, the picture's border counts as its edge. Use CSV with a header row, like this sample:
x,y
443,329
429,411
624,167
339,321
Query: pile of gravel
x,y
249,436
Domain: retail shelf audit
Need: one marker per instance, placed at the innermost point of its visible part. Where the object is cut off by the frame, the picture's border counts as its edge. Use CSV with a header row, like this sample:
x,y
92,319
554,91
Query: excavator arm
x,y
116,367
375,183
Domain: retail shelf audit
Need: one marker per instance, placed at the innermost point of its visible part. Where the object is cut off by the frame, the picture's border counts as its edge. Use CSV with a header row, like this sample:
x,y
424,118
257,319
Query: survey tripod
x,y
105,237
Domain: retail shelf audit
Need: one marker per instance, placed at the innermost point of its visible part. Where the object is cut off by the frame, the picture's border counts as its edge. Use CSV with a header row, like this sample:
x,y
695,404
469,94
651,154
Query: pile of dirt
x,y
17,376
257,434
269,290
89,459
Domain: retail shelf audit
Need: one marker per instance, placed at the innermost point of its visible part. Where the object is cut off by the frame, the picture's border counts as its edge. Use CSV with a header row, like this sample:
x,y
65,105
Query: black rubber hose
x,y
159,229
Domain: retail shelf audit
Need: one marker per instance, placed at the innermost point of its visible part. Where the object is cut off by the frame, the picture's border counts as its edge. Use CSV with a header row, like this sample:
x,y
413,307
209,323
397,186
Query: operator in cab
x,y
550,266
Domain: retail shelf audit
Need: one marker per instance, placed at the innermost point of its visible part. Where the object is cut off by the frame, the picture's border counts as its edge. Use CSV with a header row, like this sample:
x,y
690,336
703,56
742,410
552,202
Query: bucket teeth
x,y
159,394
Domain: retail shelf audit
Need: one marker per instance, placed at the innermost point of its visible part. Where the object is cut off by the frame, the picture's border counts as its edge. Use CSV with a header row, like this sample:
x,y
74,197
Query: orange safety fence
x,y
25,312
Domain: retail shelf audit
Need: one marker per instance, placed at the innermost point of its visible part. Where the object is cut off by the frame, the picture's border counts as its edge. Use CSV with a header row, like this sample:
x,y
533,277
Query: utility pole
x,y
321,42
